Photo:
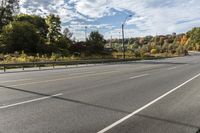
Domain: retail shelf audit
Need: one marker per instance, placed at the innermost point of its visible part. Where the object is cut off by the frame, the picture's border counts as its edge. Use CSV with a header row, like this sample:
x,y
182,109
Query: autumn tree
x,y
194,40
184,39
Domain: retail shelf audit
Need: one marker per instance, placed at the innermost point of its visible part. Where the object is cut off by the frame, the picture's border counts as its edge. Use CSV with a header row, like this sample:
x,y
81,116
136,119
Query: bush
x,y
180,50
154,51
55,56
137,53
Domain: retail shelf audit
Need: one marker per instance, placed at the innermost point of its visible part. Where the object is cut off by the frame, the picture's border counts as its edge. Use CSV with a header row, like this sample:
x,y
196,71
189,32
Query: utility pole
x,y
123,45
123,24
85,33
111,41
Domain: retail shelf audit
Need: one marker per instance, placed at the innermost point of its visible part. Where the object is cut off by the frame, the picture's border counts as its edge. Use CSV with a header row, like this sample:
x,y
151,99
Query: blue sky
x,y
150,17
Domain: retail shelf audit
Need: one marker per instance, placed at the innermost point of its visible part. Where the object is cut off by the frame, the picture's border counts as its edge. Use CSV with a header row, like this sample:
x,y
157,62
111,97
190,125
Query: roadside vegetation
x,y
32,38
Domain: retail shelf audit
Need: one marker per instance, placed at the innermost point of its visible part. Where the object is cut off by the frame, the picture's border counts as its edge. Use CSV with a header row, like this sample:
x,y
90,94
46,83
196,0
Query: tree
x,y
37,21
67,34
194,40
95,43
184,39
7,9
54,28
63,45
165,47
78,47
20,36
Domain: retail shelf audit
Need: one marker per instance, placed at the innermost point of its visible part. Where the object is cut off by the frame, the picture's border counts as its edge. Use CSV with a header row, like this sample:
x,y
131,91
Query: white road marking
x,y
139,76
172,68
65,78
10,81
74,74
30,101
60,79
146,106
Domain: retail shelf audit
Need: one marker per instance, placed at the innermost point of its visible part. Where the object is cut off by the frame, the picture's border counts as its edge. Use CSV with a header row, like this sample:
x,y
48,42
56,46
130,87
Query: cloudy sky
x,y
149,17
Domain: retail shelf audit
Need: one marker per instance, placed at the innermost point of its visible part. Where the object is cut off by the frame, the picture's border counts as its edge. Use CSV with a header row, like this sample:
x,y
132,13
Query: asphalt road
x,y
160,96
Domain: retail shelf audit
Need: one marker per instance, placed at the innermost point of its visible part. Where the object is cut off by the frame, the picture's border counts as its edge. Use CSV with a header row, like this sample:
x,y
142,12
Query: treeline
x,y
35,34
171,44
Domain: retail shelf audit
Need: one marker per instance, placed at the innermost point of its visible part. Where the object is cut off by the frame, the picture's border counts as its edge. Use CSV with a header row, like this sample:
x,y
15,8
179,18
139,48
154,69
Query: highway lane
x,y
72,84
48,79
92,98
176,113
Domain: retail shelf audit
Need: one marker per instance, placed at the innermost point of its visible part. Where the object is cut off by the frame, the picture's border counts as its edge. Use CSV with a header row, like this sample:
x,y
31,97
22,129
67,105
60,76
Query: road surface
x,y
159,96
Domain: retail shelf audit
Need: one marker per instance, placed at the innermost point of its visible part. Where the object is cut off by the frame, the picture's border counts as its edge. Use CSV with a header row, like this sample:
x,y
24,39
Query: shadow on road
x,y
66,99
101,107
168,121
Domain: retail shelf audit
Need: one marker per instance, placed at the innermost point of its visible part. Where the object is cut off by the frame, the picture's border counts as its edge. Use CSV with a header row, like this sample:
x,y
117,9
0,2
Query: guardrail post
x,y
53,66
23,68
4,68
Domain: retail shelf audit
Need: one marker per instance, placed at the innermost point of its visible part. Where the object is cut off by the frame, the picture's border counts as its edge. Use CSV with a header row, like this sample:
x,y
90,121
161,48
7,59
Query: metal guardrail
x,y
67,63
57,63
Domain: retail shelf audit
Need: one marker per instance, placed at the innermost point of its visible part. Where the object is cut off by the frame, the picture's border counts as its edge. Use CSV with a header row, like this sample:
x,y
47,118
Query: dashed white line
x,y
60,79
139,76
172,68
65,78
30,101
10,81
146,106
75,74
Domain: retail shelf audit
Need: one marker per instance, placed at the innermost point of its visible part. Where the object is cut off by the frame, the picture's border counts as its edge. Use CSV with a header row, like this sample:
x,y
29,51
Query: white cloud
x,y
150,16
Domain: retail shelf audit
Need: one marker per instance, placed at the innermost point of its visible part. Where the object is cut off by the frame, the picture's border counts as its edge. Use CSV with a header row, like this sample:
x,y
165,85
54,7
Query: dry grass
x,y
24,58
